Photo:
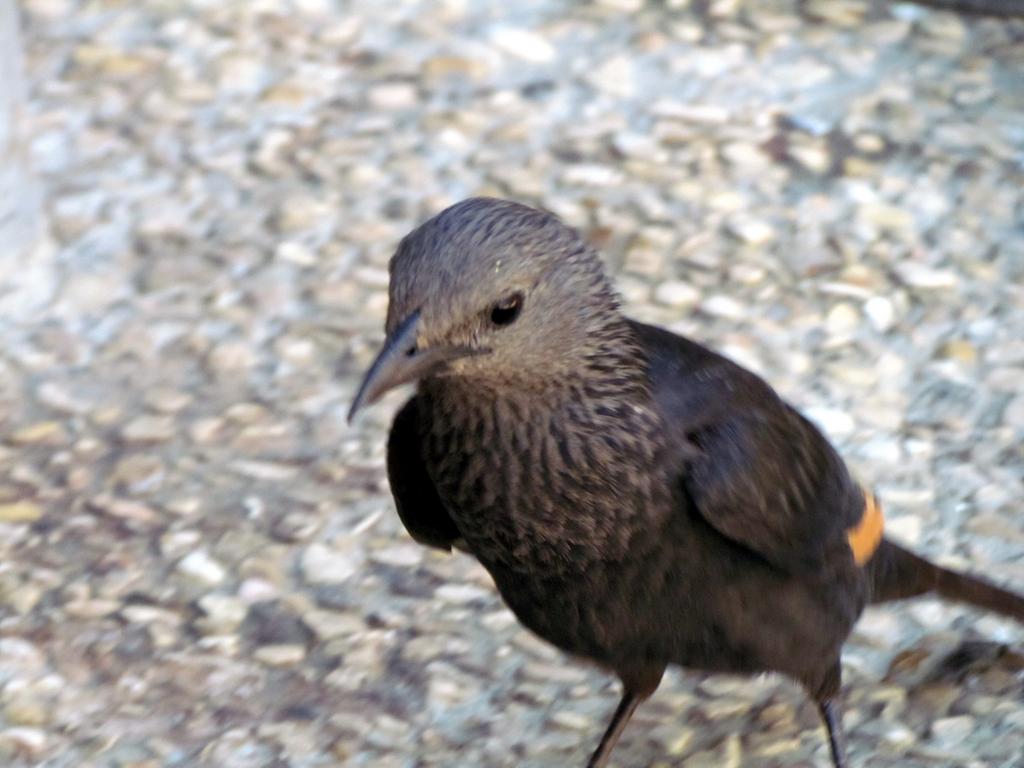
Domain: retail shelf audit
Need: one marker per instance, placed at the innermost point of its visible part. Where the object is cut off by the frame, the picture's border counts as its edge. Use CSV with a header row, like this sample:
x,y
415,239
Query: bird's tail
x,y
897,574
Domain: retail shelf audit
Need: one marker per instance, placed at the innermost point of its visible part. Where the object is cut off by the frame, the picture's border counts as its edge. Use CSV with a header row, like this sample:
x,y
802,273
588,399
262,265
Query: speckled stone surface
x,y
199,560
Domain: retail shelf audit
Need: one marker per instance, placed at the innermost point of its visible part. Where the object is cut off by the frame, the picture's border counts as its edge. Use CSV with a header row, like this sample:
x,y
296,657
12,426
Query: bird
x,y
638,499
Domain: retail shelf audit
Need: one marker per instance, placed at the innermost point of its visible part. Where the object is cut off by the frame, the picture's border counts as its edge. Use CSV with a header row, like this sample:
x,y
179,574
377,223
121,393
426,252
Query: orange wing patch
x,y
866,535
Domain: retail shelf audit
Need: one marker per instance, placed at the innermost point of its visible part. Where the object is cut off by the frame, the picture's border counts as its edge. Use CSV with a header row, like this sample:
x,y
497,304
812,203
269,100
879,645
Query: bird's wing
x,y
419,506
752,467
768,480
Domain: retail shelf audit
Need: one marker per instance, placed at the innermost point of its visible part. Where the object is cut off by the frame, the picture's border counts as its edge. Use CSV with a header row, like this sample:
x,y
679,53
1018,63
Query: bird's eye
x,y
506,311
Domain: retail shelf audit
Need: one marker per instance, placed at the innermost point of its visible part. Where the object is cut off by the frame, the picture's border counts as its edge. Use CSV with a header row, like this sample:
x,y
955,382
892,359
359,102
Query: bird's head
x,y
492,291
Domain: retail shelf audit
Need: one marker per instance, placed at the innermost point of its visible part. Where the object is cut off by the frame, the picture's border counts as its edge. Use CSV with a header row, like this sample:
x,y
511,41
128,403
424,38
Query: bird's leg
x,y
832,714
639,680
826,694
625,710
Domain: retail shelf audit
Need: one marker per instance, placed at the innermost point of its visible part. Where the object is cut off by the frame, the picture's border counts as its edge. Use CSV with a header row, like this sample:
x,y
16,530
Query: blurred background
x,y
199,560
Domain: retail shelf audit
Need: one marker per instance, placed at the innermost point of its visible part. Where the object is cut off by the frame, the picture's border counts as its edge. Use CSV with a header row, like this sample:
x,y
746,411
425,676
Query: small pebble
x,y
22,740
280,655
43,433
331,565
523,44
880,312
149,429
20,512
676,294
200,566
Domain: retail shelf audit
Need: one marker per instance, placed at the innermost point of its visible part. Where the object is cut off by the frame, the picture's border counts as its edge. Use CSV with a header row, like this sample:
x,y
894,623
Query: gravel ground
x,y
199,560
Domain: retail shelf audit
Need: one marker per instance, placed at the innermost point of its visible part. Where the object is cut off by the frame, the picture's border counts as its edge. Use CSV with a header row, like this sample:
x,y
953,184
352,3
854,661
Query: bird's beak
x,y
400,362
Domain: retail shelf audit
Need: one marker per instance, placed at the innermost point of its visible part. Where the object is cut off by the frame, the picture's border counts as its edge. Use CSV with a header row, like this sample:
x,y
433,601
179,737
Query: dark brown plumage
x,y
638,499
